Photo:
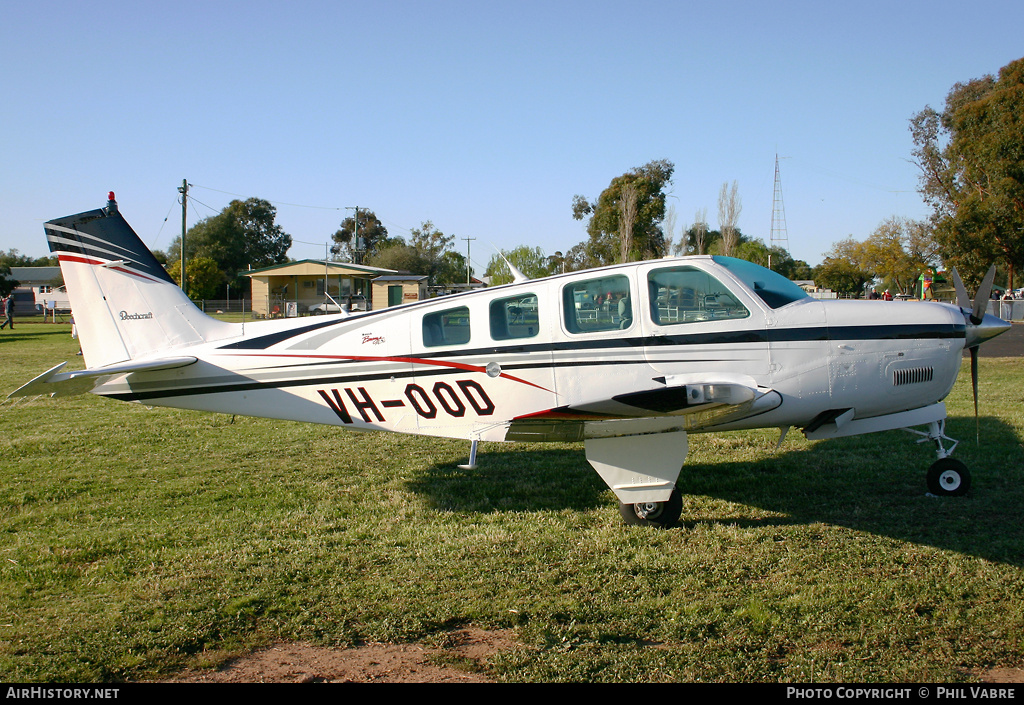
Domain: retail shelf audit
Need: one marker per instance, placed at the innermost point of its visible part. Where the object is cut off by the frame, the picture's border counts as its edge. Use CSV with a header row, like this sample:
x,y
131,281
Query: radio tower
x,y
780,236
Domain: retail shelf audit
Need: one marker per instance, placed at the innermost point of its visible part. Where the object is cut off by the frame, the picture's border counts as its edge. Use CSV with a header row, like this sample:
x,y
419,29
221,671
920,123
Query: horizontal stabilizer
x,y
55,383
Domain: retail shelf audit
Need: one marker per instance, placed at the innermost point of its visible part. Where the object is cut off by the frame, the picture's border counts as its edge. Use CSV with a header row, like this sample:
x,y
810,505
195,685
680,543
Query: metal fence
x,y
1007,310
224,305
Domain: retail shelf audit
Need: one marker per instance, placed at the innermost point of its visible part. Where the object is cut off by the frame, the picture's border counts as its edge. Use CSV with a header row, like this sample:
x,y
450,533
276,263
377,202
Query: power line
x,y
279,203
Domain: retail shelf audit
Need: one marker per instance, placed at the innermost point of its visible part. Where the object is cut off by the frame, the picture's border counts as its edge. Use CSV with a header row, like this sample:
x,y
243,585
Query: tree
x,y
668,227
971,157
627,217
7,285
773,257
622,229
241,236
841,275
898,251
695,240
581,256
556,263
428,252
398,256
530,261
13,258
359,238
729,207
205,279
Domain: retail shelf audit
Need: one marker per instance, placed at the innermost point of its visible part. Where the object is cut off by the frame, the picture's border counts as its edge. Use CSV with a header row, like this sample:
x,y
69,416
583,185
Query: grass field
x,y
137,541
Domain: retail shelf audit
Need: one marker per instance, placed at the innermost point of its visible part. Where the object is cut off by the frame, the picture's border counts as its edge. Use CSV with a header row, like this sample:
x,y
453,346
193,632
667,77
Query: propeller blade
x,y
974,386
963,299
981,297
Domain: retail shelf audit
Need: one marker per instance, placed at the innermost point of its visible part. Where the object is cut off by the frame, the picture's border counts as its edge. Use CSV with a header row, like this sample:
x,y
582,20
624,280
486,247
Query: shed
x,y
395,289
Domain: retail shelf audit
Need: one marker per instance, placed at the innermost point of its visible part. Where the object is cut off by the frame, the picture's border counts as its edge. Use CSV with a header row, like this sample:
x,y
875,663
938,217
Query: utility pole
x,y
468,240
355,235
183,190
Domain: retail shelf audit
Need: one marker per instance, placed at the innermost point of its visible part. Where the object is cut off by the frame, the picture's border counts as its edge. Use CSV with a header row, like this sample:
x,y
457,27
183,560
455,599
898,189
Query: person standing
x,y
8,312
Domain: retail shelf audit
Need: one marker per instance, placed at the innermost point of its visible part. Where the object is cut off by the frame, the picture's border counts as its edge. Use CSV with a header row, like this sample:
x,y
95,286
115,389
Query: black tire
x,y
948,477
657,514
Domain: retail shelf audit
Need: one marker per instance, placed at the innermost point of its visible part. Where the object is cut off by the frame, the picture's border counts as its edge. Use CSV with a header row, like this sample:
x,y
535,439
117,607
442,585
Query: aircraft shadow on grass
x,y
842,482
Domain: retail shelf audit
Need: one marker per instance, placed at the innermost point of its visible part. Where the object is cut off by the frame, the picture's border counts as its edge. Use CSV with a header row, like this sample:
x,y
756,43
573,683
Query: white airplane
x,y
629,359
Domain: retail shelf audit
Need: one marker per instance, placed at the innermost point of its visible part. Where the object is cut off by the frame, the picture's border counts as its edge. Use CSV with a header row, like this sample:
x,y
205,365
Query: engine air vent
x,y
914,375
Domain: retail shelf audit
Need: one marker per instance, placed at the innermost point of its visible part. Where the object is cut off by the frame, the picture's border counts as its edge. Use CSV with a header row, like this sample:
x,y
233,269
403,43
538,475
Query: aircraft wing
x,y
680,403
55,383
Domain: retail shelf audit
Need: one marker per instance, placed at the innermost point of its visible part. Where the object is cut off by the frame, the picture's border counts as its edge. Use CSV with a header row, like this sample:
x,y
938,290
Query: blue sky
x,y
485,118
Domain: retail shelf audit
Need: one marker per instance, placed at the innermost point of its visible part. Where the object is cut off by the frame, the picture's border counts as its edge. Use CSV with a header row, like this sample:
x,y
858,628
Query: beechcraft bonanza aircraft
x,y
629,359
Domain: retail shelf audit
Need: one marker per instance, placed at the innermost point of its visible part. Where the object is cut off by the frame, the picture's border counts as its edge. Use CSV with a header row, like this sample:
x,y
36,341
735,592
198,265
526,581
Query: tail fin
x,y
124,303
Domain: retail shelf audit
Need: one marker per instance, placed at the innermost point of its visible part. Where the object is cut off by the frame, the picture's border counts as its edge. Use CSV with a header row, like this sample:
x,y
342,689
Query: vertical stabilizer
x,y
125,304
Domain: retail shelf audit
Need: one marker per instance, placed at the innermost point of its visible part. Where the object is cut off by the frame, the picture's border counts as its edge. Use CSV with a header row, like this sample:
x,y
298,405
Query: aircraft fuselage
x,y
558,354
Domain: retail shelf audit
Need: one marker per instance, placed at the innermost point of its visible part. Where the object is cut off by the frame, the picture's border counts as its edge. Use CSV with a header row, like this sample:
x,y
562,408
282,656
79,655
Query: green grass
x,y
136,541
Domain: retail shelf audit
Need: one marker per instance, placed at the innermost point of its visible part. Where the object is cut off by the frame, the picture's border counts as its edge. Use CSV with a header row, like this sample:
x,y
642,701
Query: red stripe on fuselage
x,y
410,360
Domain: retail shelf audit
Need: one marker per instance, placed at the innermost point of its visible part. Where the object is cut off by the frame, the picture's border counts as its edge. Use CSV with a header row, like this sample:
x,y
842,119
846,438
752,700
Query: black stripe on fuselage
x,y
735,337
819,334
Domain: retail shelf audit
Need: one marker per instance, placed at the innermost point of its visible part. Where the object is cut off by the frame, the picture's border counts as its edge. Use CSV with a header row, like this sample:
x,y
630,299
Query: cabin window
x,y
448,327
688,295
597,304
514,317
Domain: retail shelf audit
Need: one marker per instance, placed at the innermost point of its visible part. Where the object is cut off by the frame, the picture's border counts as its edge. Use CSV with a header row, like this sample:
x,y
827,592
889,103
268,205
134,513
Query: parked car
x,y
358,303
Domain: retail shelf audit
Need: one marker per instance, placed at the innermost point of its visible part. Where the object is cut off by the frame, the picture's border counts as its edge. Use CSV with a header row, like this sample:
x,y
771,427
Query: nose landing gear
x,y
947,477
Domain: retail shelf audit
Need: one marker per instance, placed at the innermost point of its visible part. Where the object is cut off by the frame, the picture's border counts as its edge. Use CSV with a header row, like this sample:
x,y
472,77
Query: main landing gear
x,y
947,477
657,514
661,455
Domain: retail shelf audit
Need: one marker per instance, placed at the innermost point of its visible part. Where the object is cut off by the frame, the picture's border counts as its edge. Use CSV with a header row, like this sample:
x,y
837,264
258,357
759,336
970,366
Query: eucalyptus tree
x,y
624,222
971,157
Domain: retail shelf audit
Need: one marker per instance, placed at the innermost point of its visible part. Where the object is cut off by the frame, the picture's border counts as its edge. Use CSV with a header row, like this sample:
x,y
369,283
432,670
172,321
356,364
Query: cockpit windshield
x,y
774,289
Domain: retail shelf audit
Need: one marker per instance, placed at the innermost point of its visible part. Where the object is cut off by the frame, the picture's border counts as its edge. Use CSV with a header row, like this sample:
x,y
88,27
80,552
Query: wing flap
x,y
690,407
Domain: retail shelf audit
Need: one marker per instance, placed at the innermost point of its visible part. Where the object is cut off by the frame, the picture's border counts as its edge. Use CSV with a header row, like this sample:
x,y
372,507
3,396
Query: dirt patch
x,y
1002,675
470,649
460,661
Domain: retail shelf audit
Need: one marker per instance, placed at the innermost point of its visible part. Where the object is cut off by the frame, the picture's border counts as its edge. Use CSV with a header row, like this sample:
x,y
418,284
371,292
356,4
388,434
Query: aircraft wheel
x,y
948,477
658,514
